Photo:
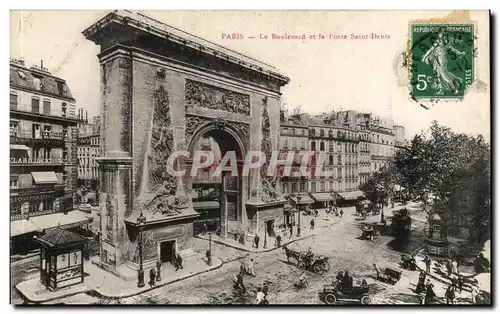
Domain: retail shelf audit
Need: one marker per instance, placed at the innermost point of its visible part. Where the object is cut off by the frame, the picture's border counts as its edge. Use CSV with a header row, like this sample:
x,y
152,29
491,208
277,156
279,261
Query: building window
x,y
13,102
321,132
339,173
322,186
313,146
339,159
285,187
285,130
64,109
322,146
65,132
14,128
293,131
14,181
330,160
302,186
35,130
346,148
313,186
302,144
46,130
46,107
294,187
35,105
285,144
313,132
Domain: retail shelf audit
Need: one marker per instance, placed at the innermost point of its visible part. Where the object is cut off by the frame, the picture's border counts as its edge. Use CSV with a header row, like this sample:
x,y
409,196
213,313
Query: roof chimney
x,y
41,64
86,116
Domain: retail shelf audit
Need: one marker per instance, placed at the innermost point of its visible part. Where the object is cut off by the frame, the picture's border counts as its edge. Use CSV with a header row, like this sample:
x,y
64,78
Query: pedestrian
x,y
152,276
428,263
208,255
250,268
341,213
460,283
312,224
260,297
291,230
474,290
256,241
205,228
448,267
238,281
450,295
316,213
454,267
421,283
278,240
178,262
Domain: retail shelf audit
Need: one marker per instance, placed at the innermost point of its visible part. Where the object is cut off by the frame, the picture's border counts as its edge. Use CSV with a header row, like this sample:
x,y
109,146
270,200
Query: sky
x,y
324,74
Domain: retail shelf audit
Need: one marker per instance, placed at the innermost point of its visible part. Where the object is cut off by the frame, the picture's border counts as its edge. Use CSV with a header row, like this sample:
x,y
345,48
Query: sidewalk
x,y
105,284
320,222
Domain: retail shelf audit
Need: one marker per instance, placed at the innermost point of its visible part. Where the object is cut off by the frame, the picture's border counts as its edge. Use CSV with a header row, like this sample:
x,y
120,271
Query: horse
x,y
298,256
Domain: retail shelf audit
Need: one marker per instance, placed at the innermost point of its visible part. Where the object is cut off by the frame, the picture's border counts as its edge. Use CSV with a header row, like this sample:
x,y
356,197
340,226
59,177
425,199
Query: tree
x,y
454,168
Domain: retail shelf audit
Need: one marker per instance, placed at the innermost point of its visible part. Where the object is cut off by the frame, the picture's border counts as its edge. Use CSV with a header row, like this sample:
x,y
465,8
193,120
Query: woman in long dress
x,y
444,80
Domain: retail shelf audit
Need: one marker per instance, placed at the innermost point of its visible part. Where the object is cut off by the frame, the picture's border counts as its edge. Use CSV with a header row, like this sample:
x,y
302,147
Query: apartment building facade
x,y
43,152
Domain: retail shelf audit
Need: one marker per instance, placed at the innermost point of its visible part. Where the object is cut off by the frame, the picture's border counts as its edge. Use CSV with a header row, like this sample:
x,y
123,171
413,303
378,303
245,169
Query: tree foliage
x,y
454,168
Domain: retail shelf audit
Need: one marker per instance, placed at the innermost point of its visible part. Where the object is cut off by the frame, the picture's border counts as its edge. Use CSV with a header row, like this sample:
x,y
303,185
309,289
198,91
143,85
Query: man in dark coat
x,y
312,224
152,276
256,241
178,262
428,262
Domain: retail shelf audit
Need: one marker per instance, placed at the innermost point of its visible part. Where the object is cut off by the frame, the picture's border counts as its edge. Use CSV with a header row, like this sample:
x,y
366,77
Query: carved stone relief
x,y
268,184
162,141
212,97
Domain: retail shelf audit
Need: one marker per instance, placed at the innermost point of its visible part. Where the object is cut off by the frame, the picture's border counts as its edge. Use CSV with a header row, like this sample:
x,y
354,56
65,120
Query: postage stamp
x,y
441,58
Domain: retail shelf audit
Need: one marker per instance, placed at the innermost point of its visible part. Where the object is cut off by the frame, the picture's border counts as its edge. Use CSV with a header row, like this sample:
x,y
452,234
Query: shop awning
x,y
18,227
71,219
352,195
206,205
321,197
19,147
304,199
45,177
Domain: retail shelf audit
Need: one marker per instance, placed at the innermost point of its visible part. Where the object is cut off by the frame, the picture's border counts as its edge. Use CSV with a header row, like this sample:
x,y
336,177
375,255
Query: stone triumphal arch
x,y
161,91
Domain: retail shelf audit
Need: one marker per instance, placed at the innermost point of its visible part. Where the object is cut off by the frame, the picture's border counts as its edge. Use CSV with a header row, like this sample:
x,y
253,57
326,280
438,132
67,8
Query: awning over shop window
x,y
304,199
206,205
18,227
65,221
321,197
352,195
19,147
46,177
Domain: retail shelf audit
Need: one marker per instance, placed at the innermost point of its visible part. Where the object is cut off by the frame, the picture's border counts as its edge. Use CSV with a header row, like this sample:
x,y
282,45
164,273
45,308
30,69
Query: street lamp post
x,y
298,205
265,234
141,221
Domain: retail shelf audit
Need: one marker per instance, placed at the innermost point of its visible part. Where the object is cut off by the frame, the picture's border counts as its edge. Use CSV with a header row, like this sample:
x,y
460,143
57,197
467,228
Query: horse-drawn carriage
x,y
357,292
369,231
389,275
317,263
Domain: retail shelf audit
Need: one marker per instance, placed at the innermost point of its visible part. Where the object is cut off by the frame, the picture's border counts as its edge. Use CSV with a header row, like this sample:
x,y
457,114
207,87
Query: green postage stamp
x,y
441,57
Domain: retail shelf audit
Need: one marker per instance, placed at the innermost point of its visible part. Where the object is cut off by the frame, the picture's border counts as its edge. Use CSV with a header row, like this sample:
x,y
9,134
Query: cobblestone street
x,y
337,239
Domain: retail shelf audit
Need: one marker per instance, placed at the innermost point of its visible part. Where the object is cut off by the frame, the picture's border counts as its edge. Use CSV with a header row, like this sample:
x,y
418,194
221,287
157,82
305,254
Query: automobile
x,y
357,292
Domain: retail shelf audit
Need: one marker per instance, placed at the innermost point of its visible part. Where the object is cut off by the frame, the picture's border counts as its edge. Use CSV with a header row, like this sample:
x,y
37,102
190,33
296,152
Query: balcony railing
x,y
36,161
42,135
